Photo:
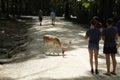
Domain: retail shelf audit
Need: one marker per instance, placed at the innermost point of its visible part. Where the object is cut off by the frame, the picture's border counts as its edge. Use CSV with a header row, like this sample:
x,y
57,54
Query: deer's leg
x,y
57,50
54,50
44,42
45,46
63,52
51,50
48,49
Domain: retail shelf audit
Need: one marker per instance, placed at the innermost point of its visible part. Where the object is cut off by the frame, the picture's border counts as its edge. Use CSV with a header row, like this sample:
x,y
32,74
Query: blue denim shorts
x,y
93,46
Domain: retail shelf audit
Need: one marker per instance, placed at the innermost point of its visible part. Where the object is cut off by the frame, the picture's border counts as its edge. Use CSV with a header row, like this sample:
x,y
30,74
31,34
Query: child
x,y
40,17
118,27
109,36
52,15
93,47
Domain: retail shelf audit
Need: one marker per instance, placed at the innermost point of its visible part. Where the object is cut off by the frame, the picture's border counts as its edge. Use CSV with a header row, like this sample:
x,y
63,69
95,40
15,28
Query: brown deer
x,y
54,42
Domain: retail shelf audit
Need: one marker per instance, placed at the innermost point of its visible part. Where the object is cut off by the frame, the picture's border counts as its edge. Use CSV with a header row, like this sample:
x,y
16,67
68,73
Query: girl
x,y
109,36
93,46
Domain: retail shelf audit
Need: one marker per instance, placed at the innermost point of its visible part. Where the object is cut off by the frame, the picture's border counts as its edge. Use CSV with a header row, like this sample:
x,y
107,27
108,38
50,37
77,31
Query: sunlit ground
x,y
34,64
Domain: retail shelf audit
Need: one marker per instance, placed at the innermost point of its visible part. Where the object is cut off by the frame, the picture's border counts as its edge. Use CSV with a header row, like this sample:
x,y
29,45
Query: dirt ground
x,y
31,61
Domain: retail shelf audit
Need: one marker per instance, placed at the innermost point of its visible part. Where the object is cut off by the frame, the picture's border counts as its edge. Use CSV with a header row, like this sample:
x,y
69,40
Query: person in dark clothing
x,y
40,14
109,35
118,26
93,47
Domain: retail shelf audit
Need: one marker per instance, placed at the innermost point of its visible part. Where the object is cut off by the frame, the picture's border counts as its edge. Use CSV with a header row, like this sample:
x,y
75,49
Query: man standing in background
x,y
40,17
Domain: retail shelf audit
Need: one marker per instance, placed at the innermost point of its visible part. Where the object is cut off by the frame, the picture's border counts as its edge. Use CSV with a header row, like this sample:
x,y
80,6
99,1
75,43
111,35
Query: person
x,y
118,26
40,17
52,15
109,35
93,46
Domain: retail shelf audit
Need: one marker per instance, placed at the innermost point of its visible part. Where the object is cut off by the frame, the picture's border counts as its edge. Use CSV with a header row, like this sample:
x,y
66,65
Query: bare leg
x,y
96,61
91,59
107,64
114,63
40,23
52,21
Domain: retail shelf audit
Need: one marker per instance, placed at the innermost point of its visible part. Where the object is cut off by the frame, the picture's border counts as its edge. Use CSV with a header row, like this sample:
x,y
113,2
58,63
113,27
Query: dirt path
x,y
34,64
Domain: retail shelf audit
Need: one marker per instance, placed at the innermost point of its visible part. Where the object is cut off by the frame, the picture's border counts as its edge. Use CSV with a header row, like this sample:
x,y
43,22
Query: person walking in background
x,y
93,46
53,15
109,35
40,14
118,26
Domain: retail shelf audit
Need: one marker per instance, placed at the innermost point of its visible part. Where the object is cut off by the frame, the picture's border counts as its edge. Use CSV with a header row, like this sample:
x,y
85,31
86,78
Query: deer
x,y
54,42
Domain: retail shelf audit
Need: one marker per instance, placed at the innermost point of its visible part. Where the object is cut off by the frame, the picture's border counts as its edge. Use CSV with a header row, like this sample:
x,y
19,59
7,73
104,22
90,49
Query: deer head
x,y
64,48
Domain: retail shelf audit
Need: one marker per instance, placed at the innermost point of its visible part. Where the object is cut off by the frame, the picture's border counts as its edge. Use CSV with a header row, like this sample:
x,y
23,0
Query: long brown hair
x,y
93,22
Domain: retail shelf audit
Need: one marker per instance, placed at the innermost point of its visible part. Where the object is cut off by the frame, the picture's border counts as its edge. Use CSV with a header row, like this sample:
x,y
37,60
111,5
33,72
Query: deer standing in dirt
x,y
53,41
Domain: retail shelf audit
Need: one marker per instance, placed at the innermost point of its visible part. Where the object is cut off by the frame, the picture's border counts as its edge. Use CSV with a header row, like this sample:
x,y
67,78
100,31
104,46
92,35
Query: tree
x,y
67,9
106,9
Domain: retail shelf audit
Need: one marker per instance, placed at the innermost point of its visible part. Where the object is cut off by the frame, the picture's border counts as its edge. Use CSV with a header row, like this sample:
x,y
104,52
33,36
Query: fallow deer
x,y
54,42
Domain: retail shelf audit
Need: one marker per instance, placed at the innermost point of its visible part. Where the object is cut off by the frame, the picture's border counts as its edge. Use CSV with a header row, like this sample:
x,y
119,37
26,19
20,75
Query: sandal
x,y
108,74
113,73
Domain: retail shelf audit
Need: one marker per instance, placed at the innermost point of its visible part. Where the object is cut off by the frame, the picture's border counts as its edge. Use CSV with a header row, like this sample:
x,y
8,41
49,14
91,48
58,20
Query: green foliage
x,y
86,4
31,7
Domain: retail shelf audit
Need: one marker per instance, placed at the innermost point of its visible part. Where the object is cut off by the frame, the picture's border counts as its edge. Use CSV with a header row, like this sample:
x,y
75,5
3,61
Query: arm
x,y
86,37
117,34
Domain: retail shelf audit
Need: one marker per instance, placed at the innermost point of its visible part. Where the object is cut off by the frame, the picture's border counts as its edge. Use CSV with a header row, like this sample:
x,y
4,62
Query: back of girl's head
x,y
93,22
109,21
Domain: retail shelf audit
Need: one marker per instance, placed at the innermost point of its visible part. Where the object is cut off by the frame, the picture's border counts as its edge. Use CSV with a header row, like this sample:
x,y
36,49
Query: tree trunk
x,y
3,6
19,8
13,8
106,9
67,10
7,9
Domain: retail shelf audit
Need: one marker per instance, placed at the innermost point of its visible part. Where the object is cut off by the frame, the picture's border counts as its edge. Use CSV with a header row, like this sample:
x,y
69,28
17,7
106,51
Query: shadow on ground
x,y
6,78
26,35
14,37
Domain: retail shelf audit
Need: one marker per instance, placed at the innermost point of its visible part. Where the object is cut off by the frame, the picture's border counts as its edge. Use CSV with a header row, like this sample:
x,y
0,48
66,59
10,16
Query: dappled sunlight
x,y
82,33
36,64
55,29
60,23
58,69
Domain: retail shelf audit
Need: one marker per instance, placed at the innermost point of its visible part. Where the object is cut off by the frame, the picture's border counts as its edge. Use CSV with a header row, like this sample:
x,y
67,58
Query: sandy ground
x,y
35,64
